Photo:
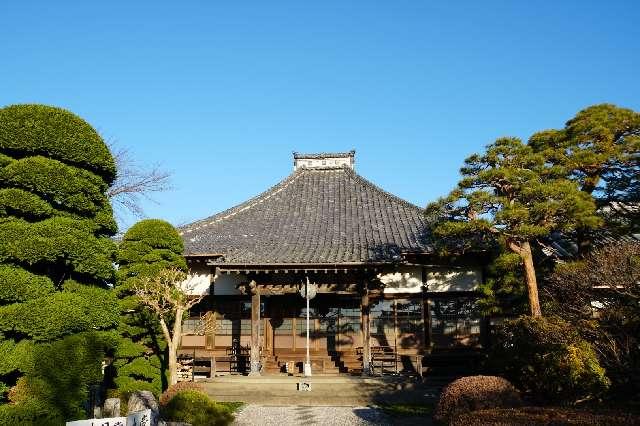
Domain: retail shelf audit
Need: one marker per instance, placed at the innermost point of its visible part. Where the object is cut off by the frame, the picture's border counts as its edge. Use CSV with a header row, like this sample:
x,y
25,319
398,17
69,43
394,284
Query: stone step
x,y
325,390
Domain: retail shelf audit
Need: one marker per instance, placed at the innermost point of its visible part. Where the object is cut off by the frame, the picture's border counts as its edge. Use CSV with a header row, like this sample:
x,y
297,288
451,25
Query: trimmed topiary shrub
x,y
547,358
146,248
475,393
29,130
56,262
196,408
179,387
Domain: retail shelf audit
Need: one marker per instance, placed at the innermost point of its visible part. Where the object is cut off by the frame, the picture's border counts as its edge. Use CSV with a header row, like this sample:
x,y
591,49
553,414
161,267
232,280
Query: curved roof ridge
x,y
225,214
387,194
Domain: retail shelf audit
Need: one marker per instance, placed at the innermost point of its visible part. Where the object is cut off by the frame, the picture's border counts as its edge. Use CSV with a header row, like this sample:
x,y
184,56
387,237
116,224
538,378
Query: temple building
x,y
385,299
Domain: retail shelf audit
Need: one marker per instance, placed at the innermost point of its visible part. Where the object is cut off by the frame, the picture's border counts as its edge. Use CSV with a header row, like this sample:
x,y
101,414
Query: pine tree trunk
x,y
524,250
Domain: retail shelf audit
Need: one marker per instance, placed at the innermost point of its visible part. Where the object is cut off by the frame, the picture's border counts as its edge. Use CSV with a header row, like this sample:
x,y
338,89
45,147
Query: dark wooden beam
x,y
366,332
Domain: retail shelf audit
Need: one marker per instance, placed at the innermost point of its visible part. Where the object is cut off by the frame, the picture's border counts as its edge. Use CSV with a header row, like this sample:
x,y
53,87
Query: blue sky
x,y
220,93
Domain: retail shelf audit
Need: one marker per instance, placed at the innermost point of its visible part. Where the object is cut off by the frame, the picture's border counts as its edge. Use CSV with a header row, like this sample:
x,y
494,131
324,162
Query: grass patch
x,y
407,409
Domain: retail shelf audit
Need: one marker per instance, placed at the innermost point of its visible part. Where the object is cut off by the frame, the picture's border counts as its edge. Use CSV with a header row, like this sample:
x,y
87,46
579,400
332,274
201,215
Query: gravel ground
x,y
301,415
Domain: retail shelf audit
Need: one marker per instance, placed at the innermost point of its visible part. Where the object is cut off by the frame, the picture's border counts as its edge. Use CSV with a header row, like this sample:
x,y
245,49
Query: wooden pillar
x,y
426,321
255,330
211,321
366,332
426,314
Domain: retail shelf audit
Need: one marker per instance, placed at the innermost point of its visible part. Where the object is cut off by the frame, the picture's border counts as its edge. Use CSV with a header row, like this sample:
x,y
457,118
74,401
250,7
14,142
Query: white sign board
x,y
139,418
113,421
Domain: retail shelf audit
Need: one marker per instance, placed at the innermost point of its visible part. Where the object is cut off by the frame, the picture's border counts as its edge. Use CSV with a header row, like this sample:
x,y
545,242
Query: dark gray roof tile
x,y
314,216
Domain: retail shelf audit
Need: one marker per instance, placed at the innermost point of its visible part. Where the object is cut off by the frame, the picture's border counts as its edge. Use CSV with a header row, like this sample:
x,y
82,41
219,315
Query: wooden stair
x,y
347,361
326,363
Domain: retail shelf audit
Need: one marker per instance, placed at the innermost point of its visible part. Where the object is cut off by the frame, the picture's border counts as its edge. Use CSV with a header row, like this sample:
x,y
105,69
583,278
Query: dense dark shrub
x,y
30,412
475,393
609,276
547,416
173,390
196,408
547,358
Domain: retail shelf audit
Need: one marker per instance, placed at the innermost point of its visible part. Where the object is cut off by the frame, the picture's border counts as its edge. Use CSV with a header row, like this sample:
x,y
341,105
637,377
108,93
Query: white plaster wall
x,y
225,284
311,163
444,279
198,281
406,279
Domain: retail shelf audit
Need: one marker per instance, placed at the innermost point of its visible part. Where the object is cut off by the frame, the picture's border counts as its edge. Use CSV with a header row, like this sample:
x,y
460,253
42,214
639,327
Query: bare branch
x,y
134,183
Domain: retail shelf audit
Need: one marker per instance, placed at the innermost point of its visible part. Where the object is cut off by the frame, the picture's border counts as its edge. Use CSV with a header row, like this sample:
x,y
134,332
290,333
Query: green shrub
x,y
146,248
61,314
4,389
64,186
28,130
63,370
23,204
19,285
15,356
30,413
547,358
474,393
57,239
196,408
173,390
56,262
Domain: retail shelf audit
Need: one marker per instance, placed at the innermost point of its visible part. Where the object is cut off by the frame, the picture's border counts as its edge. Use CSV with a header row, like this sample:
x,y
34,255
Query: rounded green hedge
x,y
23,204
61,314
29,130
155,233
64,187
196,408
147,247
19,285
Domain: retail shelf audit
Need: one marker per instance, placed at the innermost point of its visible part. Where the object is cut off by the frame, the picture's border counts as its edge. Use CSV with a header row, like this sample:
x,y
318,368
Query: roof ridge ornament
x,y
324,160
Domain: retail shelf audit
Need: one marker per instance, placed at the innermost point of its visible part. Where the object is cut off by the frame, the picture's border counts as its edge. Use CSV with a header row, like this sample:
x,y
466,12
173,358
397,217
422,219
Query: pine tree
x,y
147,248
599,149
56,258
510,193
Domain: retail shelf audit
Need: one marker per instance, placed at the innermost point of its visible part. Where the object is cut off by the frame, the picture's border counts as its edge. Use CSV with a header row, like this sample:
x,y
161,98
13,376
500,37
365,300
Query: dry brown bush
x,y
475,393
179,387
543,416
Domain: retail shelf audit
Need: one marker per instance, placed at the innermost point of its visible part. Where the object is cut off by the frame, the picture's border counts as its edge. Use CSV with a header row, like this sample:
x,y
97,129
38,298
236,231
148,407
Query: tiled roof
x,y
314,216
